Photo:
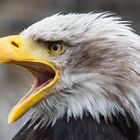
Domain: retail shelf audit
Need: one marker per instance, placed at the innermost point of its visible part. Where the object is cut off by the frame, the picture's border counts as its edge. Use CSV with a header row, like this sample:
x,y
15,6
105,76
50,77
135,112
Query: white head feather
x,y
99,70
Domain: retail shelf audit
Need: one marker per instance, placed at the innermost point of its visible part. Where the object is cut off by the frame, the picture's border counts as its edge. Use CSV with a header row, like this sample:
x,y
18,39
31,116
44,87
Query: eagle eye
x,y
56,48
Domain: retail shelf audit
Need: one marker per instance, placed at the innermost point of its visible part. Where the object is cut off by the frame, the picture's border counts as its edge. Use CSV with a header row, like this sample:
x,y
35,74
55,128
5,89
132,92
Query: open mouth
x,y
43,74
45,77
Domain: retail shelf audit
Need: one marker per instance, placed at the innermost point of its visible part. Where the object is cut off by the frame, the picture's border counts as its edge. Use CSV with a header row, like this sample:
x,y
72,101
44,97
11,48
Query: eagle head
x,y
81,63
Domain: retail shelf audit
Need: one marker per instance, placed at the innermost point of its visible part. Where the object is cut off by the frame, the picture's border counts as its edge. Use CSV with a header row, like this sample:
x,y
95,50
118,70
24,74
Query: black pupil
x,y
55,47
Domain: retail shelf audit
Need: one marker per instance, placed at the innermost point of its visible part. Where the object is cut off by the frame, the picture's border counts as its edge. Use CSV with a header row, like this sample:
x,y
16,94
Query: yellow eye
x,y
56,48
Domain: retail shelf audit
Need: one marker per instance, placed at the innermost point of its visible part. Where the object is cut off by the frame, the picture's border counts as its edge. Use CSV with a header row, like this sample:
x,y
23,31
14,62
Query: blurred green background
x,y
16,15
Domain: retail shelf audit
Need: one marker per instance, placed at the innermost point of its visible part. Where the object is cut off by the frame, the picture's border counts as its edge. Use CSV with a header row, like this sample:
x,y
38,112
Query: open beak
x,y
28,54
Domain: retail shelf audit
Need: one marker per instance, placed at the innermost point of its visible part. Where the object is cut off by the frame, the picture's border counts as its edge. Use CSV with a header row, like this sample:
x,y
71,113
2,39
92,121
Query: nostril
x,y
15,44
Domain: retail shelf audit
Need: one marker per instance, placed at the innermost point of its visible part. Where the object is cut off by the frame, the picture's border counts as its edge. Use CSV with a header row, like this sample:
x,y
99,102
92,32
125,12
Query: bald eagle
x,y
86,70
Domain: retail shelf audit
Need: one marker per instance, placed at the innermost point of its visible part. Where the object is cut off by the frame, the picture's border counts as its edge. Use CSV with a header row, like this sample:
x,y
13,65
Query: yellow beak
x,y
20,51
